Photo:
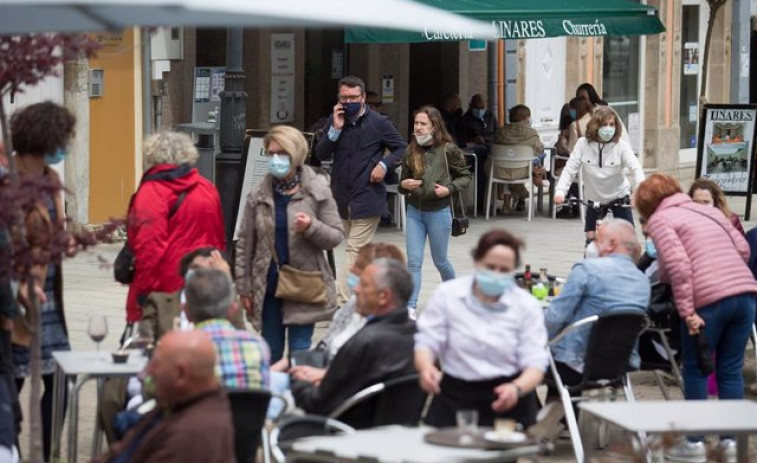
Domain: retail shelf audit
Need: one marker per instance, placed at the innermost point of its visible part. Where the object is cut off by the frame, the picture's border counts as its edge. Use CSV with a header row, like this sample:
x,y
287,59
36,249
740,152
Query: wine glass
x,y
97,329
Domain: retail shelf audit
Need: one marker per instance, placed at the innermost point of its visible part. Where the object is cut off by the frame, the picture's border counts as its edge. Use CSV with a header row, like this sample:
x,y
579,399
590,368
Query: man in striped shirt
x,y
243,358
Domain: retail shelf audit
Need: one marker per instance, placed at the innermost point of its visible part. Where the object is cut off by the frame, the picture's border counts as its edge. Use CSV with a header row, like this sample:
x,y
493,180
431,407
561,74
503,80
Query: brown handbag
x,y
304,286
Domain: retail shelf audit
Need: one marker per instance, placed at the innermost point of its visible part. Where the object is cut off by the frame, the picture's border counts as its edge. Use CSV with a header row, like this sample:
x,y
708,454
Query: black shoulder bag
x,y
459,223
124,265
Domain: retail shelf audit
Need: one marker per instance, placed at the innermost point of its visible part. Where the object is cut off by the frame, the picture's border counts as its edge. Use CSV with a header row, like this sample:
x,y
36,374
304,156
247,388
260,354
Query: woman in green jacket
x,y
433,171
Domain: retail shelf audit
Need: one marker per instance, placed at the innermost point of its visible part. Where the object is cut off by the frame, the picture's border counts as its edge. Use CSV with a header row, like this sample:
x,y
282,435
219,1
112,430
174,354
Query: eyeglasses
x,y
349,98
281,153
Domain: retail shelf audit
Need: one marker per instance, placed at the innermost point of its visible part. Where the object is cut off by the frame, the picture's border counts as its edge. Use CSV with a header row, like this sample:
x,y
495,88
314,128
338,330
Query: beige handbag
x,y
304,286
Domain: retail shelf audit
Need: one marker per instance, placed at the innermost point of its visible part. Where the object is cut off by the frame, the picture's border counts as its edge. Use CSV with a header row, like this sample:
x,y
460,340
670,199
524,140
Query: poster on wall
x,y
691,58
282,78
725,153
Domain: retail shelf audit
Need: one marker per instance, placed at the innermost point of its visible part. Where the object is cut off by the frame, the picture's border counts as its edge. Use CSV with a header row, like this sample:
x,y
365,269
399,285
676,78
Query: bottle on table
x,y
527,279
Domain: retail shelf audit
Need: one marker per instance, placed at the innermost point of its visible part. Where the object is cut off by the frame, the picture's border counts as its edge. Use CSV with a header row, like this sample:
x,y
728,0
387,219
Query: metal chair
x,y
657,342
293,427
248,410
611,341
395,401
509,157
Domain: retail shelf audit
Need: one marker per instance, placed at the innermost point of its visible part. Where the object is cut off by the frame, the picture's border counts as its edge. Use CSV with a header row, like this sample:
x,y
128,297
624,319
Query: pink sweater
x,y
702,255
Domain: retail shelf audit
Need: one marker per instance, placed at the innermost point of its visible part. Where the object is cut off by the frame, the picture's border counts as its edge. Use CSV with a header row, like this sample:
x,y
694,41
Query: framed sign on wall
x,y
725,153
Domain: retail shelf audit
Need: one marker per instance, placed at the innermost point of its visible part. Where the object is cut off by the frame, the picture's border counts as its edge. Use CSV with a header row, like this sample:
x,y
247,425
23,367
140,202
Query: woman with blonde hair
x,y
433,171
707,192
174,211
289,220
602,157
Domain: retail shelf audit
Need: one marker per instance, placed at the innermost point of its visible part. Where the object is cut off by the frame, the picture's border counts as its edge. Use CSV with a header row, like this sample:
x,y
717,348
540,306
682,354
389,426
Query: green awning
x,y
529,19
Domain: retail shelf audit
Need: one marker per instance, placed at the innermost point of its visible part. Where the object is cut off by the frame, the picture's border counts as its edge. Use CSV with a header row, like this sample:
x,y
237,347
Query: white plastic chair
x,y
509,157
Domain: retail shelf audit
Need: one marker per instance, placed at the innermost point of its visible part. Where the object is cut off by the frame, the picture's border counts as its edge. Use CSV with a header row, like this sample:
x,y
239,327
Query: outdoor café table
x,y
73,369
394,444
736,418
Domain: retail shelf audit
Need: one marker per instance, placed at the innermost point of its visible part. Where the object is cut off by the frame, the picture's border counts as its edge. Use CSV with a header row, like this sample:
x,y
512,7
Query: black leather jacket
x,y
381,350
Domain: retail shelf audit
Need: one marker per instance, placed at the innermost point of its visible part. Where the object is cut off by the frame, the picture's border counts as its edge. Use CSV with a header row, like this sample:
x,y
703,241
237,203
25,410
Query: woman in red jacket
x,y
173,212
703,257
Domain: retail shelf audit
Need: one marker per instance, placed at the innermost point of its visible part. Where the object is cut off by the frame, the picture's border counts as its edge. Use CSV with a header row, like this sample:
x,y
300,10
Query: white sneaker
x,y
687,451
412,313
728,447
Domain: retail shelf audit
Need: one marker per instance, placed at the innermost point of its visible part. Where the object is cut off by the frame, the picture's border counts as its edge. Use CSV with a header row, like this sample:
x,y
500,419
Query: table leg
x,y
73,417
97,435
59,391
742,448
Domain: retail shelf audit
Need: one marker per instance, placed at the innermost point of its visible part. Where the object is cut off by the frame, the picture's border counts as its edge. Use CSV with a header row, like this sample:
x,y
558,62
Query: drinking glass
x,y
97,329
467,421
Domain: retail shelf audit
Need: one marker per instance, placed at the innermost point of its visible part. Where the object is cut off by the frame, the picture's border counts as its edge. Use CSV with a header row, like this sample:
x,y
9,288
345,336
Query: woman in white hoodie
x,y
602,157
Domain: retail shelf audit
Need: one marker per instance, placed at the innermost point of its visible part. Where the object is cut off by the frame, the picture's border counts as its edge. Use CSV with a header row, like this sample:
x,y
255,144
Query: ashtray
x,y
120,356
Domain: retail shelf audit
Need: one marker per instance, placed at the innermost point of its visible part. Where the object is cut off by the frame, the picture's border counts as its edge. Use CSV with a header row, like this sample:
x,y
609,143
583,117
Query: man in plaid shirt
x,y
243,358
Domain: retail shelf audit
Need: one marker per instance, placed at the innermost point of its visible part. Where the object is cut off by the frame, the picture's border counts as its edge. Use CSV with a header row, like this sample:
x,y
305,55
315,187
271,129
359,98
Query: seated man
x,y
193,419
475,132
243,358
451,111
160,315
517,132
596,286
381,350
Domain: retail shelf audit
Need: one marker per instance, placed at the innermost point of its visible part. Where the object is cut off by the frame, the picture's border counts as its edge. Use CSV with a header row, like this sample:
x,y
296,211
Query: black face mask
x,y
458,112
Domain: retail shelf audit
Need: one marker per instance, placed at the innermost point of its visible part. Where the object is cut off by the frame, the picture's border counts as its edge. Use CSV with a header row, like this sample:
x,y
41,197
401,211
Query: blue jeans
x,y
728,324
437,225
275,332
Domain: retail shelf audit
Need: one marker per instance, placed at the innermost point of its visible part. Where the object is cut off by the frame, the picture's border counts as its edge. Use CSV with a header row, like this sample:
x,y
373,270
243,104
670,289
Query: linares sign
x,y
533,29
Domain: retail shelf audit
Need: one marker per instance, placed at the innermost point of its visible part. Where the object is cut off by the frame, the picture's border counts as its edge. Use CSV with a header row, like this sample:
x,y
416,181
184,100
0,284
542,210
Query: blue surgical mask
x,y
352,281
479,113
279,165
351,109
606,133
55,157
493,284
650,249
573,114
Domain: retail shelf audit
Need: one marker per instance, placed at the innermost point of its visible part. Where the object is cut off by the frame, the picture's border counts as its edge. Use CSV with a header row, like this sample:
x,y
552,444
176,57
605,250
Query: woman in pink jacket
x,y
704,258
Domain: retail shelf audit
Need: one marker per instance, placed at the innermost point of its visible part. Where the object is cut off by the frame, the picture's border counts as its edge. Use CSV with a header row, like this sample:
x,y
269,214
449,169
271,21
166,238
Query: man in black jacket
x,y
381,350
357,140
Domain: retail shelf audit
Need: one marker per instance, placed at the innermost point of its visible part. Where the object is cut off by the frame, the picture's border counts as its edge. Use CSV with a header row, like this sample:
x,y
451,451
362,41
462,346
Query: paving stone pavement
x,y
556,244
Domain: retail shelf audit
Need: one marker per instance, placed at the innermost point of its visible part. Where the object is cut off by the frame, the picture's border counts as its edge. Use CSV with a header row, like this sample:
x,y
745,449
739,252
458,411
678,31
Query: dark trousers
x,y
618,212
46,409
457,394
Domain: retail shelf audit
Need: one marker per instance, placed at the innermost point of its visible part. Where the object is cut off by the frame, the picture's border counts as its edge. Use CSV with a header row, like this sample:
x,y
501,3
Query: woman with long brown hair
x,y
707,192
433,170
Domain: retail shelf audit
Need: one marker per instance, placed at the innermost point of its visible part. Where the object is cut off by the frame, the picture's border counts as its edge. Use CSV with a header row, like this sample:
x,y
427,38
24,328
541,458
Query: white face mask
x,y
606,133
424,139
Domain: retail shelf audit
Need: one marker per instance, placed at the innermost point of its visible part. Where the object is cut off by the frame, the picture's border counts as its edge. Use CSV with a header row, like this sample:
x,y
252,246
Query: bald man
x,y
192,421
596,286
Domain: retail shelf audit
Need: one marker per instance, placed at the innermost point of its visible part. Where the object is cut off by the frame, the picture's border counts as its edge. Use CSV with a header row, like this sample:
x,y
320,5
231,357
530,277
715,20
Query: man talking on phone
x,y
357,140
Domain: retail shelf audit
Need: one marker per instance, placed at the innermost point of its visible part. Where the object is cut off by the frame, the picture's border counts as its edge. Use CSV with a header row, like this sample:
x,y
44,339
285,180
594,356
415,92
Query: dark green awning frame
x,y
529,19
